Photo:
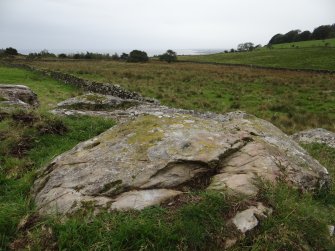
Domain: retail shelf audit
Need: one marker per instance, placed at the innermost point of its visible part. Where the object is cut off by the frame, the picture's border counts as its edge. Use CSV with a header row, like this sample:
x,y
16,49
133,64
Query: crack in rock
x,y
153,157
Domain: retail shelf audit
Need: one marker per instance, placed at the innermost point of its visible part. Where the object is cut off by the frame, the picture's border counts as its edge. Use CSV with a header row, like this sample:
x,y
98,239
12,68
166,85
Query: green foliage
x,y
11,51
62,55
41,54
321,32
89,55
115,56
291,36
246,47
169,56
305,44
124,56
324,32
304,36
137,56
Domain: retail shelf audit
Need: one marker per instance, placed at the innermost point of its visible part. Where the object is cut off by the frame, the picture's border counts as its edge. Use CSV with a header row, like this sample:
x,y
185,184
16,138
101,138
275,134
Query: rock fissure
x,y
182,152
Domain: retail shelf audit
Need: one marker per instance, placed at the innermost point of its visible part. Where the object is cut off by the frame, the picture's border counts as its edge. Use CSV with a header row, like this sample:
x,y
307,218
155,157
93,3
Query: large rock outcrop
x,y
17,95
152,158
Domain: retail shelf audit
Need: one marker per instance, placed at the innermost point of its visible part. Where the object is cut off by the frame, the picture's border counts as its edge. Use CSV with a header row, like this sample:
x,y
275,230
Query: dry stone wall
x,y
87,85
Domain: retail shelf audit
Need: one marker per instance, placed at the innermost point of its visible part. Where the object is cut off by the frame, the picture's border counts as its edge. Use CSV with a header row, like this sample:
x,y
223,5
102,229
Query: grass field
x,y
30,140
306,56
291,100
297,100
306,44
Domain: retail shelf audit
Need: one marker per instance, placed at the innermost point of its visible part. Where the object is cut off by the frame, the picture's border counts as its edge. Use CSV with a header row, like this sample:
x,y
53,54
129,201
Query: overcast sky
x,y
99,25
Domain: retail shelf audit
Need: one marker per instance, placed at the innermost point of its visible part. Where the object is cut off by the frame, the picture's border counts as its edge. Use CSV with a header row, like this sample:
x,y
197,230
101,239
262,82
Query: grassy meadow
x,y
291,100
306,44
299,55
28,140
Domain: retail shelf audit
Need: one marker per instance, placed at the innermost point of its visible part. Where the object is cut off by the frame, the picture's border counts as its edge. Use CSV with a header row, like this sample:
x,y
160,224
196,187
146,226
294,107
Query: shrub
x,y
115,56
245,46
11,51
138,56
62,55
169,56
124,56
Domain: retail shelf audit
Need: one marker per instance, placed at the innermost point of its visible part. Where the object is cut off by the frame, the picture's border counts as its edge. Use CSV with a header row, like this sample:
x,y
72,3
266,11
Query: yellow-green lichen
x,y
95,98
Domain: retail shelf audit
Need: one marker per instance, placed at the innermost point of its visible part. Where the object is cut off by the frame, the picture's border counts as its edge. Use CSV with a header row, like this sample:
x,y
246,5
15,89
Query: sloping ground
x,y
293,101
195,221
306,44
318,58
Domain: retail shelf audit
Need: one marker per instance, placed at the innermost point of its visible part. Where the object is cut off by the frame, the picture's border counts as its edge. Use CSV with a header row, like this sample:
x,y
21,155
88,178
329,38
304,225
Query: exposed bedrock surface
x,y
318,135
19,96
151,158
97,102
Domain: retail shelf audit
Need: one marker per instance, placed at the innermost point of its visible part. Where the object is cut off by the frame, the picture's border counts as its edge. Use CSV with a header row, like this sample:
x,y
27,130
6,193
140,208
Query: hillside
x,y
302,55
198,220
269,94
306,44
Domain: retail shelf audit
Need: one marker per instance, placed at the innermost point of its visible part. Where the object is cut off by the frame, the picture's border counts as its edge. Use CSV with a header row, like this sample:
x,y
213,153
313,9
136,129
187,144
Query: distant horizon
x,y
81,25
150,52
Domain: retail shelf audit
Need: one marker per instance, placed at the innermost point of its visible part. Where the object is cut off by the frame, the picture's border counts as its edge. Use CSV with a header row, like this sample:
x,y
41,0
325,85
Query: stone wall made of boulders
x,y
87,85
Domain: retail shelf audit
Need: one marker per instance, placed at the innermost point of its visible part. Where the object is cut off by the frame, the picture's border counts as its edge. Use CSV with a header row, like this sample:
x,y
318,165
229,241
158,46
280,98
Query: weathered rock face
x,y
17,95
96,102
93,104
318,135
153,158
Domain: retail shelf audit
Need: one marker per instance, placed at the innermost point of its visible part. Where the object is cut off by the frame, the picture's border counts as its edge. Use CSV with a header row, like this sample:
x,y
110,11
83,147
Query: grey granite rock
x,y
17,95
318,135
150,157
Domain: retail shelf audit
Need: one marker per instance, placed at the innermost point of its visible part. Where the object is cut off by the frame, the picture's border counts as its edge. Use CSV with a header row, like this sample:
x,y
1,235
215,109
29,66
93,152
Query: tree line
x,y
134,56
321,32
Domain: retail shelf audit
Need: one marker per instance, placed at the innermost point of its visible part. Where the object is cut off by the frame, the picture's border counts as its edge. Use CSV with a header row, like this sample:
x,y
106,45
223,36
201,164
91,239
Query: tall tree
x,y
322,32
11,51
304,36
277,39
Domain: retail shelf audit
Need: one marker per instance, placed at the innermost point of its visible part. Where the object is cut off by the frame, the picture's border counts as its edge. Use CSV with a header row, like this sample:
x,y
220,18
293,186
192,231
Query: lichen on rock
x,y
149,158
97,102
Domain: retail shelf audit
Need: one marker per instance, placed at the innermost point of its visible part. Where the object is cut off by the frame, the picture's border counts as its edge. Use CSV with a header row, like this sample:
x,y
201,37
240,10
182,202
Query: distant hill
x,y
316,54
